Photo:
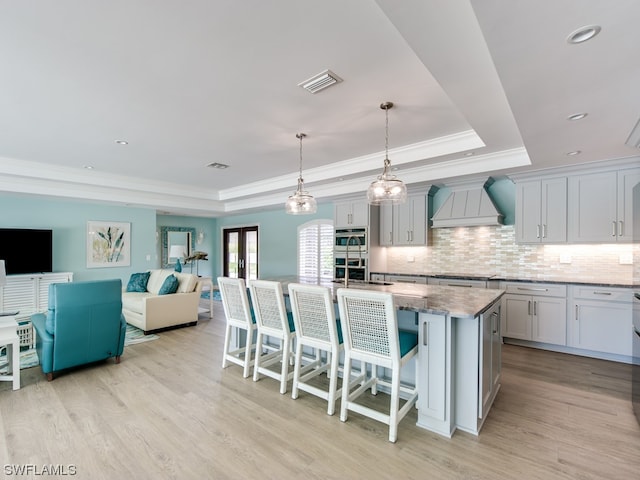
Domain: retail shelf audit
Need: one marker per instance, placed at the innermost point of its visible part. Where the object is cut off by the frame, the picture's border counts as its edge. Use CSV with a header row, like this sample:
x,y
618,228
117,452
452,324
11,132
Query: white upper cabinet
x,y
541,211
600,206
404,224
352,214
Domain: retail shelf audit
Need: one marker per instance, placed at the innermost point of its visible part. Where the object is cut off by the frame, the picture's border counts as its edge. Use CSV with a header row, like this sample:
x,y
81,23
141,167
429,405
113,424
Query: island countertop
x,y
459,302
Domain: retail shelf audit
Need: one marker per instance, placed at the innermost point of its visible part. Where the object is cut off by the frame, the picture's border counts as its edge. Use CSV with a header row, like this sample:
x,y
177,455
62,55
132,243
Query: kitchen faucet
x,y
346,261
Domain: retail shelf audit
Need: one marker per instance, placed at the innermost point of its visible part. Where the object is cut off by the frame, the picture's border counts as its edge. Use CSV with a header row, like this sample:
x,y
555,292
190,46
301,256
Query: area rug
x,y
216,296
29,357
134,335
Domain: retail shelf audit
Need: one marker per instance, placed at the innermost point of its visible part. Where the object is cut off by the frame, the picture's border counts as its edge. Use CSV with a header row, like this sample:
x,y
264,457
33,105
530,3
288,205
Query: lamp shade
x,y
177,251
3,274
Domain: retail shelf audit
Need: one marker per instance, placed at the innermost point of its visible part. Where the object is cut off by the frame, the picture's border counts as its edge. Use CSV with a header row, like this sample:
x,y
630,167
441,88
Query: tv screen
x,y
26,250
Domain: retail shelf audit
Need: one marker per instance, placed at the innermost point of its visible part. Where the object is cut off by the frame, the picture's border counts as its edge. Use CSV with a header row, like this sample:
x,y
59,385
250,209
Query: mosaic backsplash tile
x,y
493,250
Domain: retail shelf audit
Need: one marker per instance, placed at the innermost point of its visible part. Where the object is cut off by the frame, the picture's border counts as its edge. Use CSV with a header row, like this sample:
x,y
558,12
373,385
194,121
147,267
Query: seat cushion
x,y
169,286
138,282
133,301
408,341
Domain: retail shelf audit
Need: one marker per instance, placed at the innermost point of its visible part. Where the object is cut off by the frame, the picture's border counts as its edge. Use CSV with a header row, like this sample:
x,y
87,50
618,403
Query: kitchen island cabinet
x,y
458,362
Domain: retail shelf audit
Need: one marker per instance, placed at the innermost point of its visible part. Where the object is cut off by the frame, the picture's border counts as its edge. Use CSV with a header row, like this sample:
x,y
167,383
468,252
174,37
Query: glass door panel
x,y
241,252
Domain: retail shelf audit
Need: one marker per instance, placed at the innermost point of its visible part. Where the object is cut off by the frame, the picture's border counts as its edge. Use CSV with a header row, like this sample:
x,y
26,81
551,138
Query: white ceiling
x,y
191,83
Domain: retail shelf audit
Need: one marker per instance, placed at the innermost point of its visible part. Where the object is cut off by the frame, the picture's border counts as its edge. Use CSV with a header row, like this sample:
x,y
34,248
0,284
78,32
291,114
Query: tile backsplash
x,y
493,250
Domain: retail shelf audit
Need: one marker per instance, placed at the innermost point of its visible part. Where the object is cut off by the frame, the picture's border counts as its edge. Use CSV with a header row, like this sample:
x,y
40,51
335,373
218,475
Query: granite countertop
x,y
459,302
594,281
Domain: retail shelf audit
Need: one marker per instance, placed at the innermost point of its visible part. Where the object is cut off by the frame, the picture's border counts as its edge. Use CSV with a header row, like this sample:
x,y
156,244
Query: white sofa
x,y
151,312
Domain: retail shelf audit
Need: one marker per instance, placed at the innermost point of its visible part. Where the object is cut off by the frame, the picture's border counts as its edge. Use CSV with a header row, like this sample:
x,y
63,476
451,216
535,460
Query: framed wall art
x,y
108,244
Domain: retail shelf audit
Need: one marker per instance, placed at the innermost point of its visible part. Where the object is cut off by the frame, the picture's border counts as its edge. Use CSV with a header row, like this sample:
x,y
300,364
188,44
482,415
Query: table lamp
x,y
177,252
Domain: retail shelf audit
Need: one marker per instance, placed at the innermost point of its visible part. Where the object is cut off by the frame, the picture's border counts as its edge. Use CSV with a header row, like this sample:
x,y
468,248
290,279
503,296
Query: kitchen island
x,y
458,364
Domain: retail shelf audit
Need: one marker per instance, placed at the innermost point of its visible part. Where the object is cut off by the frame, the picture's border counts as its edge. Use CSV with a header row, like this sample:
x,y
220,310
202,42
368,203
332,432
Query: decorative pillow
x,y
170,285
138,282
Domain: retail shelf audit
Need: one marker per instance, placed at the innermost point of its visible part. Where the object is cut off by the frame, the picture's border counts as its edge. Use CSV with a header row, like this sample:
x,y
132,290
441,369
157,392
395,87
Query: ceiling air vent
x,y
220,166
320,81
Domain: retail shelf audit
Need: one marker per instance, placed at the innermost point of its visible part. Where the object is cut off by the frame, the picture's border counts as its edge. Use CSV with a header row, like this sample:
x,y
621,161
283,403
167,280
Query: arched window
x,y
315,249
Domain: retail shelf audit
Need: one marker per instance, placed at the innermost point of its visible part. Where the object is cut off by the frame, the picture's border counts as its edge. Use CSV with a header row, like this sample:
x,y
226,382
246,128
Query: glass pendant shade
x,y
301,202
387,189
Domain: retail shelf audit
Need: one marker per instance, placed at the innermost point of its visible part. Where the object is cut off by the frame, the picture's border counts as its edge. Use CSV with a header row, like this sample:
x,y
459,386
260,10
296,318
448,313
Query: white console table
x,y
9,339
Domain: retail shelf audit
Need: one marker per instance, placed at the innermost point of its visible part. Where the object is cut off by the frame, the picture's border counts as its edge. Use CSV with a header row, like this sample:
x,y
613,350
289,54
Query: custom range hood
x,y
468,205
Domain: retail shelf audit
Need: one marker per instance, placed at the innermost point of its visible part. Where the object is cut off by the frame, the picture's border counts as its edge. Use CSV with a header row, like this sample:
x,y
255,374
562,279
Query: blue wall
x,y
277,237
68,220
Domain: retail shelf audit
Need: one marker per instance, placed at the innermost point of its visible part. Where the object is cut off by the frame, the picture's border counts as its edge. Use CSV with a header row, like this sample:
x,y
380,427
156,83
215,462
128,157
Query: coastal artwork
x,y
108,244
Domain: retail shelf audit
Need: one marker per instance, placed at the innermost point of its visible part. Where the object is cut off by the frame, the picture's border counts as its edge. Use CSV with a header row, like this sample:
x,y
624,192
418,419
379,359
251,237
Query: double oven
x,y
350,253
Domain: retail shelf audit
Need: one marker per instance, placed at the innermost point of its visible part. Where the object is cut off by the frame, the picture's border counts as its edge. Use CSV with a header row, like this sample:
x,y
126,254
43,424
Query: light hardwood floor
x,y
170,411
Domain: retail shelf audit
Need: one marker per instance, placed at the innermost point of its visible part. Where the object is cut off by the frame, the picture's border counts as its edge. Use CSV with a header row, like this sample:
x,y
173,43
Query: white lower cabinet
x,y
491,353
29,293
601,320
535,312
434,337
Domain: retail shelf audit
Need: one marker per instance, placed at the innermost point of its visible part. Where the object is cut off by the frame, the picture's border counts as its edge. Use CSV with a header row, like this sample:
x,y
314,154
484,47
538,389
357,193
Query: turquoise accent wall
x,y
68,221
277,237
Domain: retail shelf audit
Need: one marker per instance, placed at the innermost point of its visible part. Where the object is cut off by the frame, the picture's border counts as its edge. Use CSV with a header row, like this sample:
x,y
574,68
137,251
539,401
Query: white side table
x,y
9,337
207,286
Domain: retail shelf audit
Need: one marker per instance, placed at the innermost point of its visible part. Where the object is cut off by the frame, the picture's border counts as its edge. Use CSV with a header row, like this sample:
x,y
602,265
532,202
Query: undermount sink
x,y
362,282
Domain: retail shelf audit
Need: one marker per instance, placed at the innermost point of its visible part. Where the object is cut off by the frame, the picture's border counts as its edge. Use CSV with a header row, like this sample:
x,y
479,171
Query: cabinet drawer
x,y
538,289
453,282
602,293
405,279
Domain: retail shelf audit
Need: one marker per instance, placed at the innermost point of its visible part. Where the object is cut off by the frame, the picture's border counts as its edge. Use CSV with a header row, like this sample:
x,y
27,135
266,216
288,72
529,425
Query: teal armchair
x,y
84,324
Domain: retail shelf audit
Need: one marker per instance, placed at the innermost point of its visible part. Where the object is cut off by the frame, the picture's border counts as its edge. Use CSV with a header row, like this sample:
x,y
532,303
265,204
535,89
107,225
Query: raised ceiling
x,y
480,88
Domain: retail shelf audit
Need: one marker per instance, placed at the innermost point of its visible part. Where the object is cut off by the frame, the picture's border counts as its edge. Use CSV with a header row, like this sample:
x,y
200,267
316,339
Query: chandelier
x,y
301,202
387,189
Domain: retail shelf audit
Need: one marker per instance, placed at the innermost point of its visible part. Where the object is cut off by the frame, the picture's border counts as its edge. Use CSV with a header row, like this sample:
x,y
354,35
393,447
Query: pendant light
x,y
301,202
387,189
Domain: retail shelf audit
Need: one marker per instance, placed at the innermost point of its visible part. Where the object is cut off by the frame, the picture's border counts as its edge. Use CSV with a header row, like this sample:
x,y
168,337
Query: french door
x,y
241,252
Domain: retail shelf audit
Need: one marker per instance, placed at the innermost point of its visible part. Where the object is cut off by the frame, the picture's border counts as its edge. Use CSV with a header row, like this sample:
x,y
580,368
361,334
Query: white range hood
x,y
468,205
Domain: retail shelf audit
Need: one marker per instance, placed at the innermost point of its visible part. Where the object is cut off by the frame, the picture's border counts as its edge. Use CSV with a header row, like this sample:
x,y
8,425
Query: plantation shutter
x,y
315,250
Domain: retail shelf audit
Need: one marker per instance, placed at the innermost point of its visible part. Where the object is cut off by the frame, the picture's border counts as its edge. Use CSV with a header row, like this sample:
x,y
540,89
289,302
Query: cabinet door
x,y
549,321
528,201
553,219
490,368
419,220
516,320
592,207
386,225
342,214
602,327
627,179
433,364
360,213
410,221
19,294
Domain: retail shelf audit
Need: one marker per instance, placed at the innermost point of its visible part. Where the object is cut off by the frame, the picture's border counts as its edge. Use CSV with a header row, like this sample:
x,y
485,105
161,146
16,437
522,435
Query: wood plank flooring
x,y
170,411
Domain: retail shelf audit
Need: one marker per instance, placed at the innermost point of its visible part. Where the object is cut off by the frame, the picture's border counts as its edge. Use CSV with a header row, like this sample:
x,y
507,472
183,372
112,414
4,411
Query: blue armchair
x,y
84,324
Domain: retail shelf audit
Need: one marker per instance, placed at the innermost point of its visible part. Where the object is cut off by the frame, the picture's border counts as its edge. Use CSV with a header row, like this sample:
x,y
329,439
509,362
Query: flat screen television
x,y
26,250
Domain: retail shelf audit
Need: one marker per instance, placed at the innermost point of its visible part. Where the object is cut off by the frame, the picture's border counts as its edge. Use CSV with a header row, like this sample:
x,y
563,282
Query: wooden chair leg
x,y
117,359
49,376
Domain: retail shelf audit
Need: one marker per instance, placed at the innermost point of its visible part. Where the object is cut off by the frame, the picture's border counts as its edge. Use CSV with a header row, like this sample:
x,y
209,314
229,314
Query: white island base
x,y
458,373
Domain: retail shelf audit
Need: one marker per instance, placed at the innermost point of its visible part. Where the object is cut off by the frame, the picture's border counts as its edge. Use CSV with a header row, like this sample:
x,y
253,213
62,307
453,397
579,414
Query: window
x,y
315,249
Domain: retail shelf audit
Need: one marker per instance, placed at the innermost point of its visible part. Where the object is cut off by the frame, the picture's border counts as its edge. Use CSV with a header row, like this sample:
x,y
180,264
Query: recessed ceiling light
x,y
122,142
577,116
468,154
583,34
575,152
88,167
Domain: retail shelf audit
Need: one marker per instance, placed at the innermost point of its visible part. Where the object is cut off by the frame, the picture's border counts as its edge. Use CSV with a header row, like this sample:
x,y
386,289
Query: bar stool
x,y
10,339
316,327
371,335
237,311
272,320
